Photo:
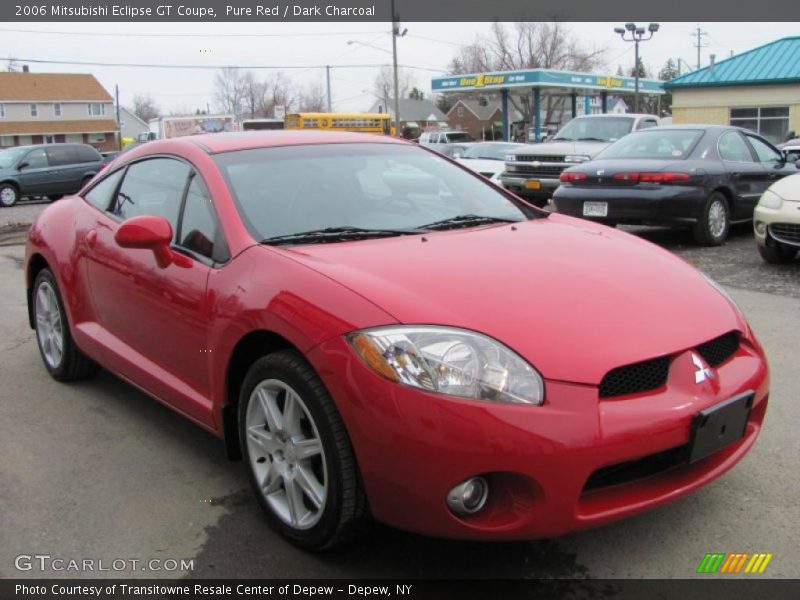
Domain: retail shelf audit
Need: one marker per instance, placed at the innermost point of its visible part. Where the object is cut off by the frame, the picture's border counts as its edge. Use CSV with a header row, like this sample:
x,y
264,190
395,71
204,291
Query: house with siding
x,y
49,108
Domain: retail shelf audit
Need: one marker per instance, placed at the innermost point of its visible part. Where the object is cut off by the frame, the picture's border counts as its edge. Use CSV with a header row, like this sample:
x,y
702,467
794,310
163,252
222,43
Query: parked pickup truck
x,y
532,172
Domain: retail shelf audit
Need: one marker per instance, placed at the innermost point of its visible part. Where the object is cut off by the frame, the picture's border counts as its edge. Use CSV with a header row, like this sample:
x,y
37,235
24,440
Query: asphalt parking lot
x,y
98,470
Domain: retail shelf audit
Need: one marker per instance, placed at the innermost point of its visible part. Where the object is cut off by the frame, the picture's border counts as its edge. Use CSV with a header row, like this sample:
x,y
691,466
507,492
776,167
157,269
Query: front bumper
x,y
516,184
413,447
637,204
764,217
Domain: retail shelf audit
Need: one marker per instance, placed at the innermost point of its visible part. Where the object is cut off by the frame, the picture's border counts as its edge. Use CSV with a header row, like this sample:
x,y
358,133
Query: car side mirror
x,y
149,232
22,165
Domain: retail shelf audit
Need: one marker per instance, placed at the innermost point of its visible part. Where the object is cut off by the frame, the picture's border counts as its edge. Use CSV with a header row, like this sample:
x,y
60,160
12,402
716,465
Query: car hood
x,y
482,165
565,148
787,188
574,298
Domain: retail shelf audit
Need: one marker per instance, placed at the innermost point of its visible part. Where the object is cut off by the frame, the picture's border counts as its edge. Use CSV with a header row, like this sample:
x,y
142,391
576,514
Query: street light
x,y
637,35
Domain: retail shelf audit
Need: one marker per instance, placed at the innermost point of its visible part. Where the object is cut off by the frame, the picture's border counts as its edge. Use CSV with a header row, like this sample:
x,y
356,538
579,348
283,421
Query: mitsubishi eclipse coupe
x,y
379,332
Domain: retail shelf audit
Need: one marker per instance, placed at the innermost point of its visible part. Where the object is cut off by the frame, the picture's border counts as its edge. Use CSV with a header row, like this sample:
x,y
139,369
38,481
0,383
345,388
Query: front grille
x,y
544,159
635,378
720,349
785,232
637,469
540,171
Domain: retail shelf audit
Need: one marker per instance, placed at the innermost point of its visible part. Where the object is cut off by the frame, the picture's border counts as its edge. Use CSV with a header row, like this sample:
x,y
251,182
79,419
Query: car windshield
x,y
602,129
459,137
10,156
373,188
654,143
496,151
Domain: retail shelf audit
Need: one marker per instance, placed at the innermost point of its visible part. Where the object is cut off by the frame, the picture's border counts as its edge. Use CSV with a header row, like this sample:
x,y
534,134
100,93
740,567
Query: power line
x,y
190,35
215,67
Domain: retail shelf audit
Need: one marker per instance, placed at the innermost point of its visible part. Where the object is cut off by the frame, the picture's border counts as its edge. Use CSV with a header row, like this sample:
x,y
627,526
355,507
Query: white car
x,y
776,220
487,158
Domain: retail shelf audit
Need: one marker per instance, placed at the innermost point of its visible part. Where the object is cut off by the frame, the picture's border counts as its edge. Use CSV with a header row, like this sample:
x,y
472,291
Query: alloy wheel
x,y
717,218
8,196
286,454
49,324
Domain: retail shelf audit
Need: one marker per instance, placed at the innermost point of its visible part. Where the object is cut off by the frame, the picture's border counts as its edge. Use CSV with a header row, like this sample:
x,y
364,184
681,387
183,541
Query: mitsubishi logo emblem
x,y
702,371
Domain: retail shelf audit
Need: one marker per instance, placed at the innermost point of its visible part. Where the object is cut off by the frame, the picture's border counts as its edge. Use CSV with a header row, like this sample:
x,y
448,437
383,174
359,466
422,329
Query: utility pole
x,y
328,77
699,44
119,128
395,33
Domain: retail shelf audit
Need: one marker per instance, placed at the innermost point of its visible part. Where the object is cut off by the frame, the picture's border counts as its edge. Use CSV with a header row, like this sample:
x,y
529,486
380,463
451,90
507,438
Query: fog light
x,y
468,497
761,227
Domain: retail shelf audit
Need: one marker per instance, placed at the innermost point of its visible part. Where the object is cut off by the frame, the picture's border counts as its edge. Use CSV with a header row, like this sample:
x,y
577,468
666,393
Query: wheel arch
x,y
247,350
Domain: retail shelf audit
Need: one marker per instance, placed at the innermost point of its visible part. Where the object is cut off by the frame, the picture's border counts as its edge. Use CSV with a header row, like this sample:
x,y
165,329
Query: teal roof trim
x,y
774,63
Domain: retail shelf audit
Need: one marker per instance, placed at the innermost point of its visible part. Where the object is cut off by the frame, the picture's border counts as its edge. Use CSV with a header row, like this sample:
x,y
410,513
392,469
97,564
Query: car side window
x,y
86,154
100,195
199,230
733,148
764,151
152,187
58,155
36,159
647,124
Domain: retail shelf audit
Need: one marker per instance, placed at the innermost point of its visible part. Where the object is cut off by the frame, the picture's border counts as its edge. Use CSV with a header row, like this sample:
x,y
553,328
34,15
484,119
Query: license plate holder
x,y
595,209
533,184
718,426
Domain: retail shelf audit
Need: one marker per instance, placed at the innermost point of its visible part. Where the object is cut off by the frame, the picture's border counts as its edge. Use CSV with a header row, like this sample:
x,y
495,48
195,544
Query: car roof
x,y
614,116
214,143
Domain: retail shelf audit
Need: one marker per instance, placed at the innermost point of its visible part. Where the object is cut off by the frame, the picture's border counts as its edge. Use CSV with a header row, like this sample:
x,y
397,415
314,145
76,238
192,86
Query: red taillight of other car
x,y
571,177
659,177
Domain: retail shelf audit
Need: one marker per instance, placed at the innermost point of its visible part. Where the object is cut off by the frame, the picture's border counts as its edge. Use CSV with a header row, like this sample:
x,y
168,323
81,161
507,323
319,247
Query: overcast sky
x,y
428,47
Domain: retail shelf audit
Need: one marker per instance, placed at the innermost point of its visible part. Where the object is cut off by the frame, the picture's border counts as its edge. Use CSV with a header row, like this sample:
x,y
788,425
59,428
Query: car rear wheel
x,y
54,197
300,461
777,253
62,358
714,223
9,195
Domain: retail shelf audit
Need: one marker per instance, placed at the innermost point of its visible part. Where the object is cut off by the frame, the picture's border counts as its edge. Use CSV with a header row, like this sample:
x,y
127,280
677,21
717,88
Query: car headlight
x,y
577,158
449,361
770,200
510,158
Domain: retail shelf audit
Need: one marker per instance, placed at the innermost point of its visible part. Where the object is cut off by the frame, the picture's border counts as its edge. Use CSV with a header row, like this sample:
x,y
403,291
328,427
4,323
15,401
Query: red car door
x,y
153,320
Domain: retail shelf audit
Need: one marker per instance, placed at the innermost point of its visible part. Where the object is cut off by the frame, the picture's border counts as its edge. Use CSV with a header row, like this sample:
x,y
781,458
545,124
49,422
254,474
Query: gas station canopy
x,y
544,79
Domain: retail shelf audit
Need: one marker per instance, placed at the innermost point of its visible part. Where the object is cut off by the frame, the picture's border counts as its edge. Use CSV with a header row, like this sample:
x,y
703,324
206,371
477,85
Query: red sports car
x,y
379,331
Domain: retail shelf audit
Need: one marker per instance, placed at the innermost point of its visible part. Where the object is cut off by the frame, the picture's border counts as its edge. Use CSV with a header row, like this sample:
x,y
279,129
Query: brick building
x,y
42,108
482,119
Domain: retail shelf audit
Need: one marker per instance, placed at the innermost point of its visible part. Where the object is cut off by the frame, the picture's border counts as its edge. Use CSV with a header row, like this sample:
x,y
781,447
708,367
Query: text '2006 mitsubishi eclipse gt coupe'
x,y
373,329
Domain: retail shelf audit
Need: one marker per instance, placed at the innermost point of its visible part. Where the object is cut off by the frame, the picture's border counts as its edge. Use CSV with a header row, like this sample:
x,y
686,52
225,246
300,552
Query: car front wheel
x,y
714,223
299,458
62,358
777,253
9,195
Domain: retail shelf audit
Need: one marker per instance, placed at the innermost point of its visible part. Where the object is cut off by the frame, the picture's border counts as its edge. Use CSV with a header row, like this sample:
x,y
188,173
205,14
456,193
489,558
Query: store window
x,y
772,122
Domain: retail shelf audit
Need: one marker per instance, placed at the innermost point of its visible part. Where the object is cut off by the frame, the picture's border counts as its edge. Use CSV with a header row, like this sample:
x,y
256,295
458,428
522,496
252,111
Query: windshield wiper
x,y
466,221
591,139
563,139
335,234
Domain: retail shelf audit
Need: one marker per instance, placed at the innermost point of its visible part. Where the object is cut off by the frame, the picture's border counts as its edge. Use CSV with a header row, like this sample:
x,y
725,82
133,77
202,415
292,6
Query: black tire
x,y
344,512
73,364
9,194
85,182
54,197
777,254
707,231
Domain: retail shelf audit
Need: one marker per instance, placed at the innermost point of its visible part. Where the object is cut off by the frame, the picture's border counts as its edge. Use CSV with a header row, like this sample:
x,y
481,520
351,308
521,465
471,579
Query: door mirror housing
x,y
151,233
22,165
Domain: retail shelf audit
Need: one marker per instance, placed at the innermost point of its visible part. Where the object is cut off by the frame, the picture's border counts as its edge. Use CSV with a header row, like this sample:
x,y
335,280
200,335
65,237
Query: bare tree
x,y
145,107
527,45
229,90
384,84
254,94
278,93
313,99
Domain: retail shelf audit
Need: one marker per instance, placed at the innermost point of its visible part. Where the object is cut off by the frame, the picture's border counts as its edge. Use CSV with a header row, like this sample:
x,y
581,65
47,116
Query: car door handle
x,y
91,238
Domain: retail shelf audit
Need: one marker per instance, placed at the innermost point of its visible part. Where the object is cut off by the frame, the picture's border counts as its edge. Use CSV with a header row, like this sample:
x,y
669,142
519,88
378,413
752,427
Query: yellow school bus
x,y
365,122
